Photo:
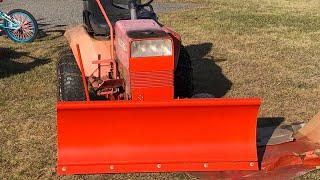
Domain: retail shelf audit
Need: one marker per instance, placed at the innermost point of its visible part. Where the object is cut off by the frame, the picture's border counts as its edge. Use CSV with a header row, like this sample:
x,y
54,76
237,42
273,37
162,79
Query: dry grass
x,y
27,113
240,48
265,48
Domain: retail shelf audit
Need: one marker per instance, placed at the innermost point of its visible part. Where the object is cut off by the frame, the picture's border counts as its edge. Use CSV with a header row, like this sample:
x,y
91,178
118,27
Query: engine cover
x,y
147,77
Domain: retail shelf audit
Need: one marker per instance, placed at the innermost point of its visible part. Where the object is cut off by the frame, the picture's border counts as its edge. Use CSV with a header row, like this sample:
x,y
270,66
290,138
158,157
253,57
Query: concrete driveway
x,y
57,14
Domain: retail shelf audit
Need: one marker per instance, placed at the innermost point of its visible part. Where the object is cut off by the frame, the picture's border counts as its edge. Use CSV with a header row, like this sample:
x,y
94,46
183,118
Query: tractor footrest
x,y
105,83
104,61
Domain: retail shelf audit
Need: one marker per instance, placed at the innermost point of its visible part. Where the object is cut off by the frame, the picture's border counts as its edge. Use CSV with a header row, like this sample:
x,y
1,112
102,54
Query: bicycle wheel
x,y
28,26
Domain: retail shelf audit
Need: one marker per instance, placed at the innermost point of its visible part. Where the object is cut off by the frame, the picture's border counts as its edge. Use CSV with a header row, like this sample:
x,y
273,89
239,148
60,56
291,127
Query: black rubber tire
x,y
36,26
70,86
183,76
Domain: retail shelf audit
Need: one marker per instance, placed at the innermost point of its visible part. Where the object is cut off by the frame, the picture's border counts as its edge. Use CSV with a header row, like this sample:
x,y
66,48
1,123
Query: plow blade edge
x,y
177,135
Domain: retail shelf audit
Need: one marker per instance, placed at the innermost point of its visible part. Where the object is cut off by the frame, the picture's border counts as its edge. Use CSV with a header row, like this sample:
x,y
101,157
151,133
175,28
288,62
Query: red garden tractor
x,y
125,101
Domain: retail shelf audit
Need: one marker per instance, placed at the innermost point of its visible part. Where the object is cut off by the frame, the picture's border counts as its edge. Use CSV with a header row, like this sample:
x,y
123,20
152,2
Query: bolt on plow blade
x,y
176,135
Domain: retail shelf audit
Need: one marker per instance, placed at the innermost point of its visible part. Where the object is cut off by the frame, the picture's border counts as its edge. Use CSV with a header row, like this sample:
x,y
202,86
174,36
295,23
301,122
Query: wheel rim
x,y
26,30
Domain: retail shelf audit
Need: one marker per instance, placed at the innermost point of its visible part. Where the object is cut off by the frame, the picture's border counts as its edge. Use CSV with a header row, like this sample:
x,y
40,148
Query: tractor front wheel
x,y
70,85
183,77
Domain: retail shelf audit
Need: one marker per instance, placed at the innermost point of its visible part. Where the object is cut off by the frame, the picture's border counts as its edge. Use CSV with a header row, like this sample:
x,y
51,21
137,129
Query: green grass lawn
x,y
239,48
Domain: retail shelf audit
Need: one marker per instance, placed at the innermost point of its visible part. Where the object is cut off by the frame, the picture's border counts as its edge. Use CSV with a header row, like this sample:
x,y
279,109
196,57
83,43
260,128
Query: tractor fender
x,y
90,49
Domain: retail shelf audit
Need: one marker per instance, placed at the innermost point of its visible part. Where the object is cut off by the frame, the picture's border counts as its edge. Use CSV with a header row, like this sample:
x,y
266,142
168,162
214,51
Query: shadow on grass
x,y
45,29
45,33
269,121
208,76
10,65
272,123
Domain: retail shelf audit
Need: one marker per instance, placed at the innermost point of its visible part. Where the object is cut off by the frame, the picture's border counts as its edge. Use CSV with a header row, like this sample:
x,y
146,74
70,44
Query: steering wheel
x,y
124,4
146,4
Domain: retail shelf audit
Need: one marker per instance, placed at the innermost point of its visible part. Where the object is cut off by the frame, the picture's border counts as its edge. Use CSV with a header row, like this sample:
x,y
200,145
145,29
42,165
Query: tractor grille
x,y
152,79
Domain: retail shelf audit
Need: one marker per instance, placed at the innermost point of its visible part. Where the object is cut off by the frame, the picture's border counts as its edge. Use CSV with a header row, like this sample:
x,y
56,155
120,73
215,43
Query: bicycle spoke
x,y
26,29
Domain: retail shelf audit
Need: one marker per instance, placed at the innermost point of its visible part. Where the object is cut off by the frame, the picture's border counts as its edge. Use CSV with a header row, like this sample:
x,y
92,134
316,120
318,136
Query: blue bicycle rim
x,y
17,39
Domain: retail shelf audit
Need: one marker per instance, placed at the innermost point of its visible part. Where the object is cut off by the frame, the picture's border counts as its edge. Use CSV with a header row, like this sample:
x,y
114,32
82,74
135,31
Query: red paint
x,y
152,78
104,13
155,133
284,161
84,80
147,78
183,135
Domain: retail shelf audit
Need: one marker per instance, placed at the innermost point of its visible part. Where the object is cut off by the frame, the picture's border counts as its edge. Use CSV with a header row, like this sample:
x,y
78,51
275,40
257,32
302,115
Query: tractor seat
x,y
95,22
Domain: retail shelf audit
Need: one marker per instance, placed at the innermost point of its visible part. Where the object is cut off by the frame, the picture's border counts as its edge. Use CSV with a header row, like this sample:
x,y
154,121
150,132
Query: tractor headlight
x,y
147,48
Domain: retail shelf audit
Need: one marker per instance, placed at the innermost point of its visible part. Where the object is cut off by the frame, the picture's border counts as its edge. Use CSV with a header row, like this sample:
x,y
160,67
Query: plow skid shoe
x,y
176,135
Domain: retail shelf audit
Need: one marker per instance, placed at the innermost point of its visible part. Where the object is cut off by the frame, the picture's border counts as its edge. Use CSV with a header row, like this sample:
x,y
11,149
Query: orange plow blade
x,y
176,135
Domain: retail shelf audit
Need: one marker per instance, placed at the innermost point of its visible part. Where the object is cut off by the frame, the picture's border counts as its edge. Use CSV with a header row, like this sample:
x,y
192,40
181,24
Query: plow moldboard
x,y
177,135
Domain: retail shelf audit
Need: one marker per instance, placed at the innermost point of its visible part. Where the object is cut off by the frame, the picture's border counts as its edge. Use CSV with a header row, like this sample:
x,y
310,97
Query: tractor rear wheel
x,y
183,77
70,86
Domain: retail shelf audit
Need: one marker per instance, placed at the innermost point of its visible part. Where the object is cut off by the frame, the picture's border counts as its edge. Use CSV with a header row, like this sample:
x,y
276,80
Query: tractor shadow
x,y
10,65
266,127
208,76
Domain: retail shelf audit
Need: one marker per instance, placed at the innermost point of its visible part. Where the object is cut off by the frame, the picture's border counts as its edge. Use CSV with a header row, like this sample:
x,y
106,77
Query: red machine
x,y
125,105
